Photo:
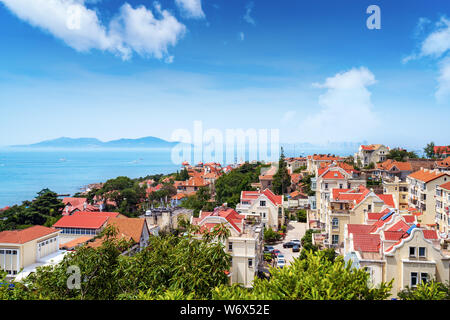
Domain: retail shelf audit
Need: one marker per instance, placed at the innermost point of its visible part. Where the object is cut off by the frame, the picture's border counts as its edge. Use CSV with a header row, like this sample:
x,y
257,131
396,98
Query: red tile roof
x,y
366,242
359,228
445,186
81,221
97,214
399,226
394,235
388,199
430,234
25,235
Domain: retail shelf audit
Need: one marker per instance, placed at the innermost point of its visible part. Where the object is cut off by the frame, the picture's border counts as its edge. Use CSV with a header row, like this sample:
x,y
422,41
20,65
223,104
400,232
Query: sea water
x,y
23,173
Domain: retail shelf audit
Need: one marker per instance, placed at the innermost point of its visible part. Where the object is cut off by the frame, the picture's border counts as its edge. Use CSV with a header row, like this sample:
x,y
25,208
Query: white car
x,y
281,263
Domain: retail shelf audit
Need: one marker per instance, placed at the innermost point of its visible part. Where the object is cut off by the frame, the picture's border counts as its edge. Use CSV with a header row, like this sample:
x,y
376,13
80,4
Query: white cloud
x,y
346,109
80,28
191,8
443,91
247,17
436,45
241,36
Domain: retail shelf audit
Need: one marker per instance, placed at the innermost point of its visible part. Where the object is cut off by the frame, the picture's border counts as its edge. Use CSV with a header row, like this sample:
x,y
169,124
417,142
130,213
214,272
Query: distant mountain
x,y
68,143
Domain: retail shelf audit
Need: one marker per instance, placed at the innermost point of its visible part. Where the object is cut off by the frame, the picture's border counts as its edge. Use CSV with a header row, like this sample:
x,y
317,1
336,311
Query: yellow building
x,y
399,191
22,248
395,248
422,192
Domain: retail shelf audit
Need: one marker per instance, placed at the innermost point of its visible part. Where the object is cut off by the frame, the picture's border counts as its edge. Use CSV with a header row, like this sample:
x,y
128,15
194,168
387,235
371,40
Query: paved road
x,y
295,230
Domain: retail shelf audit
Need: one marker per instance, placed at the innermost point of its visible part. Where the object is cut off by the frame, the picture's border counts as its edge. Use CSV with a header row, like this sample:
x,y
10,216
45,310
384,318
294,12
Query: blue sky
x,y
309,68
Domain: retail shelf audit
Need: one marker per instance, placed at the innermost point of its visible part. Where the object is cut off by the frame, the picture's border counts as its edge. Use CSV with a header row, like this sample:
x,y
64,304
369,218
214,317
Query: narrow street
x,y
295,230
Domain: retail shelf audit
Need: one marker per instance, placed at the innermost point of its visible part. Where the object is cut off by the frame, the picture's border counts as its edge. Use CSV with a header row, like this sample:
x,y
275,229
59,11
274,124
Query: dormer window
x,y
422,252
412,252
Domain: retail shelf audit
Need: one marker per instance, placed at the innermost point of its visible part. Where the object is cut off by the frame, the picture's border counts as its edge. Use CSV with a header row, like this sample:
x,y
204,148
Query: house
x,y
443,209
441,151
373,153
315,161
263,206
350,206
294,163
390,169
193,184
399,191
27,248
130,229
443,165
396,248
76,226
73,205
266,177
422,191
244,244
333,176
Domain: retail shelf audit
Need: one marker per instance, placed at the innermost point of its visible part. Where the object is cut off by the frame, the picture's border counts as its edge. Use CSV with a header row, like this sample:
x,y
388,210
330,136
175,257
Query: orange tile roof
x,y
427,175
366,242
444,163
131,227
25,235
75,242
97,214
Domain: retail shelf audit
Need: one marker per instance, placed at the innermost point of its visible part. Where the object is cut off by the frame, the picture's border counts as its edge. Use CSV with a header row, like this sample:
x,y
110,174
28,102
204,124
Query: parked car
x,y
296,248
276,252
268,249
281,263
296,241
288,244
280,256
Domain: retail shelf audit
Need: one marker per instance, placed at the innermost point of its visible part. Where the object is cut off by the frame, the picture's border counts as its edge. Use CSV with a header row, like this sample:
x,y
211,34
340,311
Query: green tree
x,y
431,290
282,179
313,278
429,150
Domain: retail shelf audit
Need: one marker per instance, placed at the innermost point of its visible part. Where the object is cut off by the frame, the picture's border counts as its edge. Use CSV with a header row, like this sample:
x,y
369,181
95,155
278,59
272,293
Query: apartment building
x,y
399,191
373,153
262,206
443,209
315,161
351,206
393,248
294,163
24,248
334,176
422,192
245,244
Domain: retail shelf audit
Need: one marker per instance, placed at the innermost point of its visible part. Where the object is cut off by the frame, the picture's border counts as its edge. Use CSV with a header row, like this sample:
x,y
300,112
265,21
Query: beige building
x,y
262,206
371,154
422,192
351,206
399,191
245,244
332,177
443,209
23,248
316,161
396,248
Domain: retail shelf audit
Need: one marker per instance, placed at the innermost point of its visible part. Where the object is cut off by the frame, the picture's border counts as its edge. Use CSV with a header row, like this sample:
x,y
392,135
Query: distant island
x,y
69,143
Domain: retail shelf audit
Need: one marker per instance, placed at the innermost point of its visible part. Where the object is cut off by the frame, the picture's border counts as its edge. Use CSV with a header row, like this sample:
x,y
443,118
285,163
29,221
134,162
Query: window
x,y
2,251
14,252
369,207
422,252
264,215
230,246
335,223
334,239
424,277
326,186
413,279
412,251
250,263
340,186
8,251
262,203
